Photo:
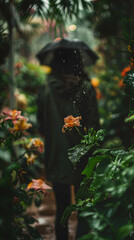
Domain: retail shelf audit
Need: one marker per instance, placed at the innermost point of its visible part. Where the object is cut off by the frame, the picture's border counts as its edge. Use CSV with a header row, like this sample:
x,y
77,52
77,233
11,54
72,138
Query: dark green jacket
x,y
55,102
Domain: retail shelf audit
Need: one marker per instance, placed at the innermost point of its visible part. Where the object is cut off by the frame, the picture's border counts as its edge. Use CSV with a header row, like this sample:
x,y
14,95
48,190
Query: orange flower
x,y
95,82
98,94
22,173
121,84
46,69
37,144
13,115
125,71
132,63
129,48
57,39
30,159
70,122
38,185
18,65
20,125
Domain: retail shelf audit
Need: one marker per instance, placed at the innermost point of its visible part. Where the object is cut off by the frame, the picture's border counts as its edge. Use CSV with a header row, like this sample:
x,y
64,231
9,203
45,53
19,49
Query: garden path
x,y
45,214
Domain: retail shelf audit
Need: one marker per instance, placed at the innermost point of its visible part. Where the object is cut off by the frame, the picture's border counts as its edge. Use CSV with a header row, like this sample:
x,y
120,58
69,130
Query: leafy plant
x,y
105,198
17,155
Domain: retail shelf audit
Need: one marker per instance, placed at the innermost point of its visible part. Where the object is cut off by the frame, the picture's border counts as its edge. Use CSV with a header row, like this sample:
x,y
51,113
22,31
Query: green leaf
x,y
37,201
124,231
30,220
83,192
101,151
75,153
5,156
100,134
92,161
86,237
129,119
67,213
129,81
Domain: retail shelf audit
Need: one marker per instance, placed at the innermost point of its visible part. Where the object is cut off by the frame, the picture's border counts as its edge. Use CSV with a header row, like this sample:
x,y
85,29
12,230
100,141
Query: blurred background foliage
x,y
107,26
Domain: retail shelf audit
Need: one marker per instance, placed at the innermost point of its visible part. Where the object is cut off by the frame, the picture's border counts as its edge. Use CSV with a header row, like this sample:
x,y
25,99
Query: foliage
x,y
18,14
105,198
89,141
17,170
112,114
29,77
115,70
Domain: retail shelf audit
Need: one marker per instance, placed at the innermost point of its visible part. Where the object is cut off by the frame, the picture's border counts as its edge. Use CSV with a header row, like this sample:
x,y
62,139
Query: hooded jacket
x,y
59,97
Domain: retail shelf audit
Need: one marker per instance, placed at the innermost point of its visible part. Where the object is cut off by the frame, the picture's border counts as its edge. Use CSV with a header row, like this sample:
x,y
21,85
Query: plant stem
x,y
79,132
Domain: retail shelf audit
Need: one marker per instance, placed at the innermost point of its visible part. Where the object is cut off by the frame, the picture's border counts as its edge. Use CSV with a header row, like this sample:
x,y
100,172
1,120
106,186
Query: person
x,y
67,91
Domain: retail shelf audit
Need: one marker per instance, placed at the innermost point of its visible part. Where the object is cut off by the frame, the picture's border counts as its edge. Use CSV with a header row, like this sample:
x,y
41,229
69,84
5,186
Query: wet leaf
x,y
75,153
92,163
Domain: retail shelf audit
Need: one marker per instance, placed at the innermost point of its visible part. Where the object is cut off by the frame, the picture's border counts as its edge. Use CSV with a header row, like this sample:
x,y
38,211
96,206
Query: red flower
x,y
13,115
38,185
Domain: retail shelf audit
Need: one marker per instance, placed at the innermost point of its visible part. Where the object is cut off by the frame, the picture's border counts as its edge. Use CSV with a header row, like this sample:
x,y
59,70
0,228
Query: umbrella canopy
x,y
65,53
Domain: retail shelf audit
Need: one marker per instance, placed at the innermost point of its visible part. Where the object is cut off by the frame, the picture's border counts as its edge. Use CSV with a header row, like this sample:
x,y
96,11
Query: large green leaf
x,y
75,153
92,163
124,231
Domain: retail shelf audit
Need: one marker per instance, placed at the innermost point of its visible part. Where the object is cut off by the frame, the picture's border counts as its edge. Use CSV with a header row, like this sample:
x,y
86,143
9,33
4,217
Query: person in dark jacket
x,y
67,91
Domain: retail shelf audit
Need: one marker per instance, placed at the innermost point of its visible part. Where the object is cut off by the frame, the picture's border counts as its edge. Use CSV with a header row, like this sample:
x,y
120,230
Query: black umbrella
x,y
66,53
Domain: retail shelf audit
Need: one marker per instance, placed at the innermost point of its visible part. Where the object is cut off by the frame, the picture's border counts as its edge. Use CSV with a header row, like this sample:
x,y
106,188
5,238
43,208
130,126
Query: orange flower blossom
x,y
123,74
98,94
38,185
70,122
46,69
13,115
37,144
129,48
121,84
95,82
22,173
125,71
30,159
18,65
20,125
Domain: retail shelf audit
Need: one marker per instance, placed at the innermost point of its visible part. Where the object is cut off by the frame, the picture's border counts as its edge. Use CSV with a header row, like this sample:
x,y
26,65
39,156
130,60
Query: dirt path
x,y
45,215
